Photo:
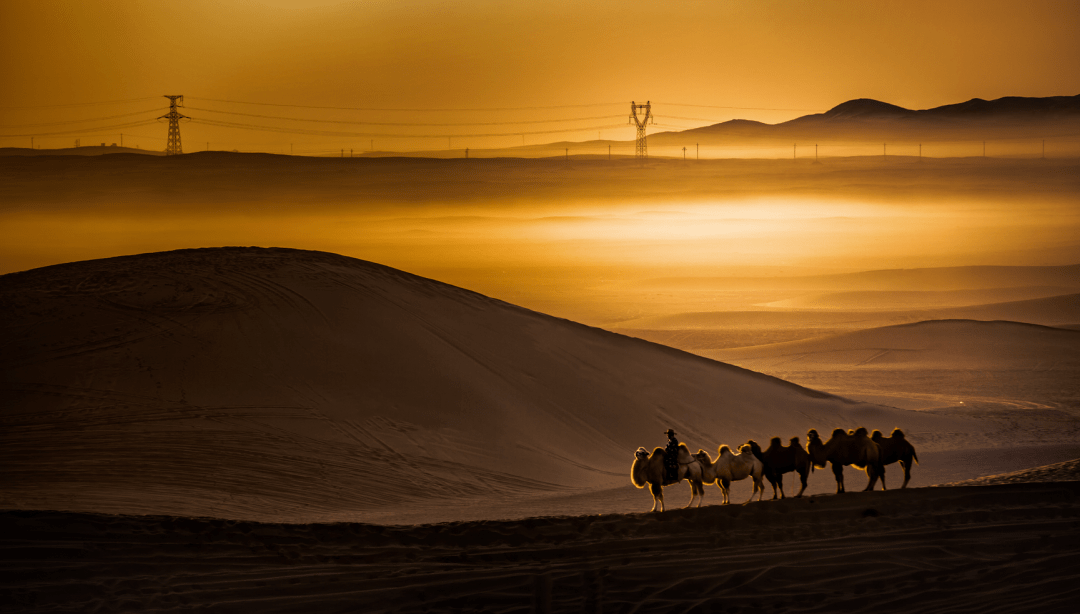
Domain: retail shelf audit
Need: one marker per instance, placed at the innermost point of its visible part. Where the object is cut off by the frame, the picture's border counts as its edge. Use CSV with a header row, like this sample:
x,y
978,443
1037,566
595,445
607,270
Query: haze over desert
x,y
339,306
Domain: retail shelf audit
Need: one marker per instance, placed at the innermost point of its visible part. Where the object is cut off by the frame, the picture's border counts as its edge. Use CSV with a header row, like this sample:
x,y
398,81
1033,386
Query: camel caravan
x,y
674,463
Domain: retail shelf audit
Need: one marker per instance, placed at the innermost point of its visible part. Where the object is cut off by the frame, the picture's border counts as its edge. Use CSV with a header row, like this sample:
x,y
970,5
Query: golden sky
x,y
774,60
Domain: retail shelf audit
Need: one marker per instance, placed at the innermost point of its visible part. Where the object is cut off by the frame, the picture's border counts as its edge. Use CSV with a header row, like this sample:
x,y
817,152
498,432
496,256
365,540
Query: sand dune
x,y
281,384
916,299
964,344
892,280
1006,548
701,332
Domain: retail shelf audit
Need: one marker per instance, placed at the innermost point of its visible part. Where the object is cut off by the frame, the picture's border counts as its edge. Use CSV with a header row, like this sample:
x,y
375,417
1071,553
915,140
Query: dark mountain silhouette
x,y
1009,117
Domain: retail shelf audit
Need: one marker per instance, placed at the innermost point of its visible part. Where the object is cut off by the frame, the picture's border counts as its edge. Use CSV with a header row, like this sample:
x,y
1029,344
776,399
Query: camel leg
x,y
882,477
693,493
872,473
657,496
700,487
838,471
803,477
759,489
907,473
725,487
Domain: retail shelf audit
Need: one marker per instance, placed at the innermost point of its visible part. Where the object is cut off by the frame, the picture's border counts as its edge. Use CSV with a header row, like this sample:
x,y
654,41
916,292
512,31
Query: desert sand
x,y
182,426
284,385
1000,548
446,453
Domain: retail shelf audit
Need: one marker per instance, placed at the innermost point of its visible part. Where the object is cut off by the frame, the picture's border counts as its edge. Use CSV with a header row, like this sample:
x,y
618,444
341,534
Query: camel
x,y
846,448
729,468
779,460
649,469
895,448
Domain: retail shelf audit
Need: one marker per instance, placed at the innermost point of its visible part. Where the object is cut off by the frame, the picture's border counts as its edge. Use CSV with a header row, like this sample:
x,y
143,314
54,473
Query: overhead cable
x,y
301,106
222,124
83,104
339,121
81,131
80,121
706,106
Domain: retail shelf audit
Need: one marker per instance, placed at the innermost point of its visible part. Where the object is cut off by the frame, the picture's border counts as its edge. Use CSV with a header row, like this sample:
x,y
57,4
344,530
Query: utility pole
x,y
816,161
466,153
350,152
794,148
884,150
684,154
697,151
641,149
609,150
172,148
567,154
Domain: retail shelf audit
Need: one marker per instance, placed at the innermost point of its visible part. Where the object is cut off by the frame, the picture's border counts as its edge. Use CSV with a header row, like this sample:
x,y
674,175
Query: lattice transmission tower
x,y
172,148
642,148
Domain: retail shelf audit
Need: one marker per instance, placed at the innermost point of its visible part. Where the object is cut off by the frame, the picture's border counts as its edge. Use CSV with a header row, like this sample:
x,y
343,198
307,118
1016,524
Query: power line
x,y
365,123
222,124
80,121
79,132
301,106
706,106
82,104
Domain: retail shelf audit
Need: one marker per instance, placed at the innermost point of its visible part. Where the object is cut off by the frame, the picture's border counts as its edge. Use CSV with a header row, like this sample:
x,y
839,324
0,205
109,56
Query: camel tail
x,y
915,456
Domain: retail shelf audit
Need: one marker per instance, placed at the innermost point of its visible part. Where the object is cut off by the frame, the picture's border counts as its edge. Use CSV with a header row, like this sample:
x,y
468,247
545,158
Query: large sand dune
x,y
283,384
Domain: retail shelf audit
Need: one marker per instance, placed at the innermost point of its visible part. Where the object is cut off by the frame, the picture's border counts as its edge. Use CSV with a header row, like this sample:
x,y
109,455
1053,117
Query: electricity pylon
x,y
172,148
642,148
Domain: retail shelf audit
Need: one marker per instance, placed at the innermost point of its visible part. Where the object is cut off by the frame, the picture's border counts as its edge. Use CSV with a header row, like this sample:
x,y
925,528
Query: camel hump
x,y
794,442
897,433
685,458
861,432
775,442
725,448
876,435
746,450
839,433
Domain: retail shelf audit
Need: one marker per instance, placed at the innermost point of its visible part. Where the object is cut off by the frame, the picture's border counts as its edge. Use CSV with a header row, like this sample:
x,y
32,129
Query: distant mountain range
x,y
1009,117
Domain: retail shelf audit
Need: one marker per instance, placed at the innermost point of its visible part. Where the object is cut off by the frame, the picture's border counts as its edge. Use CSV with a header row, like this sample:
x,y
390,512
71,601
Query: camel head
x,y
641,454
812,435
703,457
746,450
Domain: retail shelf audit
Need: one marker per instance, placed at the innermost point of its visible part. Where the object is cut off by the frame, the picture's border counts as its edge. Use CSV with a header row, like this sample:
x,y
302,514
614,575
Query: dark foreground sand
x,y
999,548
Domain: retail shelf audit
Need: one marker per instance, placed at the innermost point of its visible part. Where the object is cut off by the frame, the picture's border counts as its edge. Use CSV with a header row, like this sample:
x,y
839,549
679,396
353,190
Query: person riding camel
x,y
671,457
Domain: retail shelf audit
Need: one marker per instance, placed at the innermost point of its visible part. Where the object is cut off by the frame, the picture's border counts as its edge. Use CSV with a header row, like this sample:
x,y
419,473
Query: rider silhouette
x,y
671,457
